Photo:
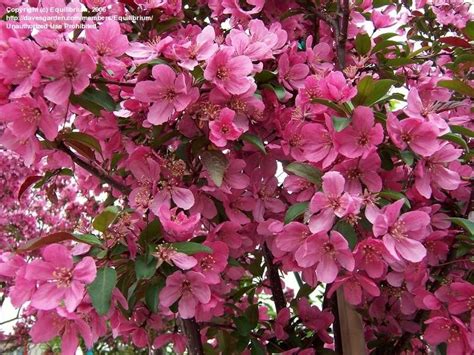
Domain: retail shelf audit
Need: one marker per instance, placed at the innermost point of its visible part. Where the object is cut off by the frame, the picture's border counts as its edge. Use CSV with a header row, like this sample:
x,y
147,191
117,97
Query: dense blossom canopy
x,y
223,176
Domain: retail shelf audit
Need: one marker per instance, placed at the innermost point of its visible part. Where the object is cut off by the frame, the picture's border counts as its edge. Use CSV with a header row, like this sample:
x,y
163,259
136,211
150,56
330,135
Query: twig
x,y
191,330
274,278
112,82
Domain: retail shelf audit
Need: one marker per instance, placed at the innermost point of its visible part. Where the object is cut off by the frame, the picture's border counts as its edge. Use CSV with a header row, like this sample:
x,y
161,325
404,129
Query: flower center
x,y
70,71
397,231
222,73
63,276
207,263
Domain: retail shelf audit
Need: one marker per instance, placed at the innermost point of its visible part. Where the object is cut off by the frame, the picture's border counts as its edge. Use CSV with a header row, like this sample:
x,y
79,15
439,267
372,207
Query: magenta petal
x,y
48,296
327,270
411,250
69,341
183,198
85,270
187,306
183,261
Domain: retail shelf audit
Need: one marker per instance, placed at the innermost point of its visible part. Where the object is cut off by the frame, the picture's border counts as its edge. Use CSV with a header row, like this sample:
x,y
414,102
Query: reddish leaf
x,y
455,41
52,238
30,180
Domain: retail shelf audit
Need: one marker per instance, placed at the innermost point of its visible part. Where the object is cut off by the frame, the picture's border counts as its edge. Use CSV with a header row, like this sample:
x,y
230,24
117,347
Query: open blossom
x,y
361,171
451,331
415,133
59,279
334,87
433,172
18,66
362,136
107,41
229,72
168,254
327,252
69,69
50,324
370,255
26,115
224,129
353,285
169,93
332,202
462,297
189,288
291,74
178,226
212,264
321,147
198,49
402,233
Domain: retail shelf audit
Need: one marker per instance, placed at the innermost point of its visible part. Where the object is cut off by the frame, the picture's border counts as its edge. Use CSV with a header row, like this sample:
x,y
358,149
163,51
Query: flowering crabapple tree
x,y
248,177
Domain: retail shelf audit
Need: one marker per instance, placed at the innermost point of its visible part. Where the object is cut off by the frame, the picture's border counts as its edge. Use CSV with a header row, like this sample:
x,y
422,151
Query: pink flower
x,y
369,256
182,197
451,331
315,319
229,73
107,41
224,129
432,171
361,137
462,297
331,203
292,75
199,49
401,233
281,321
178,340
211,265
334,87
69,68
361,171
18,66
382,19
50,324
169,93
321,145
168,254
292,237
327,252
178,226
26,115
353,285
415,133
59,279
190,288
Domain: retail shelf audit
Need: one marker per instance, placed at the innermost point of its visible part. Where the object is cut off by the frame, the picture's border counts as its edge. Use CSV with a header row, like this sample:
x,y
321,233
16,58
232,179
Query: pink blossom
x,y
224,129
291,75
369,256
169,93
178,340
281,321
451,331
361,171
198,49
189,288
332,202
168,254
432,171
462,297
229,73
401,233
23,56
69,68
334,87
211,265
69,326
178,226
26,115
415,133
362,136
353,285
327,252
107,41
59,279
315,319
292,237
321,146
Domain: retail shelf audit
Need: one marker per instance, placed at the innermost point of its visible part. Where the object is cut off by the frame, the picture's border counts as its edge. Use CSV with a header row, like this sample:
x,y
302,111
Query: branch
x,y
274,278
94,171
112,82
191,331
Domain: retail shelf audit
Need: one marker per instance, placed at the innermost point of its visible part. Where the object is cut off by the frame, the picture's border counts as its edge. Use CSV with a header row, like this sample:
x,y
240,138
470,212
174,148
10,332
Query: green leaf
x,y
82,138
329,104
369,91
362,43
340,123
384,44
87,239
408,157
191,248
394,196
215,163
279,90
243,325
100,290
306,171
458,86
348,231
151,234
145,266
163,26
255,141
252,315
399,62
151,295
105,218
464,223
364,88
296,210
257,347
264,77
462,130
455,138
100,98
469,30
